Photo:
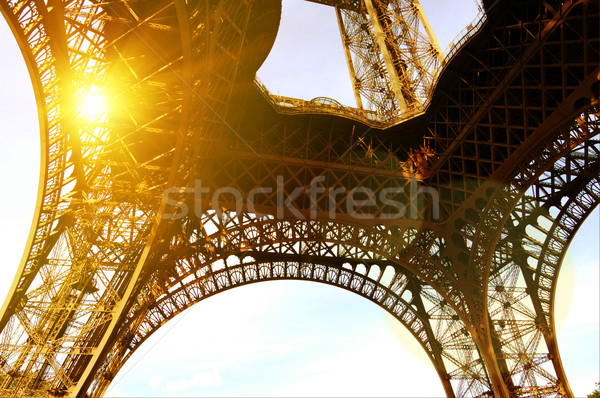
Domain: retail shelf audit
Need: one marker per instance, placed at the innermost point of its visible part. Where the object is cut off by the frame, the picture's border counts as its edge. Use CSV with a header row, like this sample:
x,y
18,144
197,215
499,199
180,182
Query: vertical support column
x,y
54,22
440,368
434,42
549,332
344,35
388,59
500,360
482,337
565,388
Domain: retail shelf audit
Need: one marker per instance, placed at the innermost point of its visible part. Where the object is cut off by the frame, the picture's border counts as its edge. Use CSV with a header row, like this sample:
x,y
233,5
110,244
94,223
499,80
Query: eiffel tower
x,y
448,196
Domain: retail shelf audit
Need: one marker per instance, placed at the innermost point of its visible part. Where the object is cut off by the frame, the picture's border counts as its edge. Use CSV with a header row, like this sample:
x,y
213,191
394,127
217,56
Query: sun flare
x,y
92,104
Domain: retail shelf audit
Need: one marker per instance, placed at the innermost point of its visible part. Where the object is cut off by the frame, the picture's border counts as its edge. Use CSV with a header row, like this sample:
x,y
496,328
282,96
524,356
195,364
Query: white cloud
x,y
156,381
208,379
115,393
380,366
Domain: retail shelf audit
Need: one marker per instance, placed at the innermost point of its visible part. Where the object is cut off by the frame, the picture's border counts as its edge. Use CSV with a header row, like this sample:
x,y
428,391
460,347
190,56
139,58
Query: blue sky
x,y
285,338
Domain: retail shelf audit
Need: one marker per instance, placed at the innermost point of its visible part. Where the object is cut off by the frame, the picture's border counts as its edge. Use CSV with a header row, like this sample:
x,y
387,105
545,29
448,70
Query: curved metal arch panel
x,y
459,367
579,196
513,310
417,250
241,234
26,24
79,213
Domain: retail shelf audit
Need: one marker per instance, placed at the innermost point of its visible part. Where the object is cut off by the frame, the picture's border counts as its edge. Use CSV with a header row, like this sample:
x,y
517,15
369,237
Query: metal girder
x,y
509,144
92,226
393,56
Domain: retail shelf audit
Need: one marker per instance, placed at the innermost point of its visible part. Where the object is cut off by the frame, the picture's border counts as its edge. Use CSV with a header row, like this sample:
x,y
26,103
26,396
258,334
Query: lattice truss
x,y
98,197
221,251
392,54
105,173
510,146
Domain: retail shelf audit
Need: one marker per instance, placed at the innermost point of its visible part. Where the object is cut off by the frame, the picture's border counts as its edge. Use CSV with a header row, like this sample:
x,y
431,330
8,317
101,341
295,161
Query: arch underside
x,y
475,286
526,263
422,310
520,291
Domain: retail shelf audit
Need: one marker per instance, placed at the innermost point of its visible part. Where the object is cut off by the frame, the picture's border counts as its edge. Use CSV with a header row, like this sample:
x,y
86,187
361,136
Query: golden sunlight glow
x,y
92,103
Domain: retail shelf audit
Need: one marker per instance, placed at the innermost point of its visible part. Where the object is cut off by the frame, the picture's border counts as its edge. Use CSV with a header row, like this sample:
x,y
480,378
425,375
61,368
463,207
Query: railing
x,y
466,34
463,37
324,106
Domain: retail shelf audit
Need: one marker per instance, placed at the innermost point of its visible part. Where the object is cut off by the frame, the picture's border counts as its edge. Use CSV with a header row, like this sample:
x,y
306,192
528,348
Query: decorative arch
x,y
518,294
106,263
572,188
416,246
399,293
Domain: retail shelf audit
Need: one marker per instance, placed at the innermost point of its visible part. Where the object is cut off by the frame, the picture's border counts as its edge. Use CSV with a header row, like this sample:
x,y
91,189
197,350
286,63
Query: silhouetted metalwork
x,y
490,153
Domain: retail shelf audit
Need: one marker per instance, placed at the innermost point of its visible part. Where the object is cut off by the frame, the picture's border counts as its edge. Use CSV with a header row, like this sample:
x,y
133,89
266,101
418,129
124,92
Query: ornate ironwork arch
x,y
400,295
509,132
520,357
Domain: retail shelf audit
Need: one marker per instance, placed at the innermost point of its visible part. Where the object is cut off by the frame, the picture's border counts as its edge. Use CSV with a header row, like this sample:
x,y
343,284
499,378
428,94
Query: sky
x,y
285,338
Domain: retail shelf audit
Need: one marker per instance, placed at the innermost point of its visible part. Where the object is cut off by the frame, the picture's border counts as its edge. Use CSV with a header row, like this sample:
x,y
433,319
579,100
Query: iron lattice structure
x,y
490,153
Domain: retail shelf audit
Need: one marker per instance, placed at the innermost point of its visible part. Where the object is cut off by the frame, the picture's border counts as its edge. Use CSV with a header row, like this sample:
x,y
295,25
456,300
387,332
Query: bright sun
x,y
92,103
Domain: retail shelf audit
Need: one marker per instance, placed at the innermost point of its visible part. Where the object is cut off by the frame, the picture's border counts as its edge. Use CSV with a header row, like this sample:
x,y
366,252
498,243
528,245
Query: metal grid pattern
x,y
506,131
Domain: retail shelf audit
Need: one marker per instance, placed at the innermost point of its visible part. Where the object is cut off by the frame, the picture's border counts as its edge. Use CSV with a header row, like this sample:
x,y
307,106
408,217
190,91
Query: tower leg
x,y
344,35
382,42
565,388
488,355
